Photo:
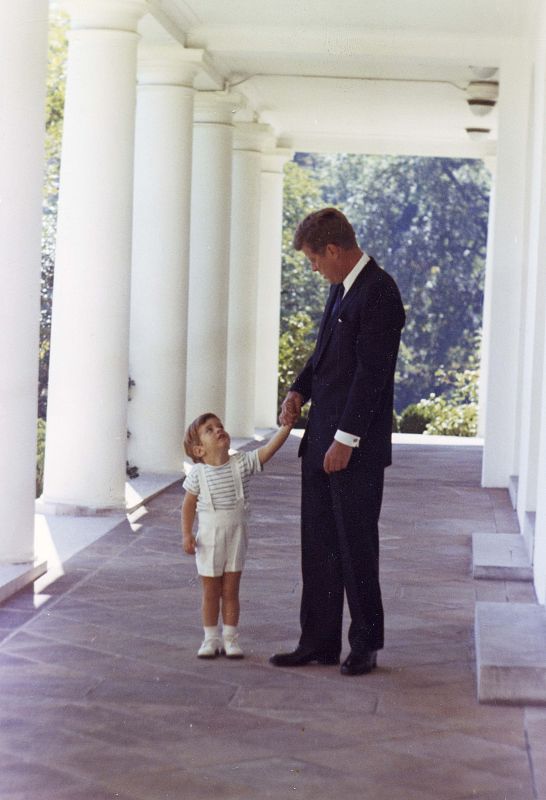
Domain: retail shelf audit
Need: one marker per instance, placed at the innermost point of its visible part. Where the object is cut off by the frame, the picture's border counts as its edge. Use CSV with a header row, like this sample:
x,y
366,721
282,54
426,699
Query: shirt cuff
x,y
347,438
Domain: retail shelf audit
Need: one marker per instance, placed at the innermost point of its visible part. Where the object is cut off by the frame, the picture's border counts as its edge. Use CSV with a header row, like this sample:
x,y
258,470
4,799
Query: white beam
x,y
231,40
305,142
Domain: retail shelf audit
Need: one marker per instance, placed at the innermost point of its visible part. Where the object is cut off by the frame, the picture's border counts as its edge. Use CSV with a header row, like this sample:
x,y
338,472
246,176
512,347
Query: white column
x,y
535,480
87,398
23,60
484,354
269,288
539,550
534,316
159,282
503,286
243,277
209,254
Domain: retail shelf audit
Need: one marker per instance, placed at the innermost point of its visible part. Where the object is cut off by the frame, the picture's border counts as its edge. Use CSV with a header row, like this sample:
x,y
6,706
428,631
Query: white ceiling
x,y
354,75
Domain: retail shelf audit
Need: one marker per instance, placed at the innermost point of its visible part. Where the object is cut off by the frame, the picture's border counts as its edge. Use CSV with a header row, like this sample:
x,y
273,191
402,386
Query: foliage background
x,y
56,81
425,221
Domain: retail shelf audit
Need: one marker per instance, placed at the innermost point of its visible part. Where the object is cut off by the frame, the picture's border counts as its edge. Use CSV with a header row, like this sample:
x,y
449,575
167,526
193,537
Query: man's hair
x,y
327,226
191,437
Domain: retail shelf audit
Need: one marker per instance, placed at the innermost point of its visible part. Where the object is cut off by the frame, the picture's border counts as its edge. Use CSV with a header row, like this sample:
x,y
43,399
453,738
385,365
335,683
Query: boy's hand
x,y
277,440
188,542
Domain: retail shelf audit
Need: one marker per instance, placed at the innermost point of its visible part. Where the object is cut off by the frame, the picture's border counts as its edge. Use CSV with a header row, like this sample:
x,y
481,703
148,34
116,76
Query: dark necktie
x,y
336,305
329,318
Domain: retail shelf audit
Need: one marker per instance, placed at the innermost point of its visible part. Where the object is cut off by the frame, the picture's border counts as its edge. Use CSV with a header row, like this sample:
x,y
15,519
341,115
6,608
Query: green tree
x,y
425,221
302,290
56,79
303,293
40,456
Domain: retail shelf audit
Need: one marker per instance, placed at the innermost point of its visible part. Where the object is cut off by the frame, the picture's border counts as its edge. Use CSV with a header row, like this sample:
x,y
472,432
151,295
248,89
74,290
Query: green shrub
x,y
455,414
395,423
40,455
415,418
451,420
295,346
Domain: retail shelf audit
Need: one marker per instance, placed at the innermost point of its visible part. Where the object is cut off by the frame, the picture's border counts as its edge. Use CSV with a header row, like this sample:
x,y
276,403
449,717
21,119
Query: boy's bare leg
x,y
230,598
210,606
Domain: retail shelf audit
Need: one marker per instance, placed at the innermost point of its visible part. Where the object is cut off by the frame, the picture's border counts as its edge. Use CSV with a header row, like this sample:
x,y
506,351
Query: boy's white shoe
x,y
210,648
232,648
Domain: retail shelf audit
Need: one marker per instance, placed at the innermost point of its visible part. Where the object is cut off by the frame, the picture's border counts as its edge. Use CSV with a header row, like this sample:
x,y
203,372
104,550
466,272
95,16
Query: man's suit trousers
x,y
340,553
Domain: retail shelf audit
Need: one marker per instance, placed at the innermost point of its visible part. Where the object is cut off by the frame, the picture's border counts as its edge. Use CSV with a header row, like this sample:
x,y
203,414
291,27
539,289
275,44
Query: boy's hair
x,y
191,437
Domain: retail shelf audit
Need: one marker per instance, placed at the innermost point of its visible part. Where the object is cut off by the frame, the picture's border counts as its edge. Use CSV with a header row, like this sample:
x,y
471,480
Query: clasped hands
x,y
337,456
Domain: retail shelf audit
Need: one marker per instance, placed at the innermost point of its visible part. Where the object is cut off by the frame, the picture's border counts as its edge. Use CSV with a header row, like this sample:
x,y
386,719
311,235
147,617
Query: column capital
x,y
253,136
122,15
217,107
168,64
274,160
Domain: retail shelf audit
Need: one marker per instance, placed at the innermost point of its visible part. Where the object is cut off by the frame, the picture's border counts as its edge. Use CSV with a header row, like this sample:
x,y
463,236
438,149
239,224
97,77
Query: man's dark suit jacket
x,y
350,376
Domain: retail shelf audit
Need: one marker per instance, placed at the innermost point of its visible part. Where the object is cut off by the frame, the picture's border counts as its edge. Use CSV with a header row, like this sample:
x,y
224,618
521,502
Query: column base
x,y
14,577
147,486
55,509
137,491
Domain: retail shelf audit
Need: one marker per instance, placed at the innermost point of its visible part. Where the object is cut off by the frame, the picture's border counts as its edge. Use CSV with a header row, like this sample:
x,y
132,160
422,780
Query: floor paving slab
x,y
103,696
535,729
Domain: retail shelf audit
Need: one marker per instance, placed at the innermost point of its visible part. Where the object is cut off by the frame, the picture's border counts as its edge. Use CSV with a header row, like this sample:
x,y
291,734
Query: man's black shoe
x,y
300,657
359,663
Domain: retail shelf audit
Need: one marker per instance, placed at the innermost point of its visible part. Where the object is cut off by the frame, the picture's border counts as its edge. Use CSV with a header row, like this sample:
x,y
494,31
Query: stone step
x,y
14,577
511,653
501,556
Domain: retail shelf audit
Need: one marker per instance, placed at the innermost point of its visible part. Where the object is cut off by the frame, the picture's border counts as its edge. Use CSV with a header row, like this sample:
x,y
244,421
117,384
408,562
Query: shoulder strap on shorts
x,y
204,486
237,481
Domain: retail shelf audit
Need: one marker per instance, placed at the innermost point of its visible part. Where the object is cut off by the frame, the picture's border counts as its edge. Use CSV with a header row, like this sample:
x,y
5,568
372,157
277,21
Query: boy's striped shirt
x,y
220,480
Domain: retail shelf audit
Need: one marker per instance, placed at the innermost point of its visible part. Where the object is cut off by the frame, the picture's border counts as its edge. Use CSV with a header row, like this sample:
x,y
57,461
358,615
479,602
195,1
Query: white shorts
x,y
221,542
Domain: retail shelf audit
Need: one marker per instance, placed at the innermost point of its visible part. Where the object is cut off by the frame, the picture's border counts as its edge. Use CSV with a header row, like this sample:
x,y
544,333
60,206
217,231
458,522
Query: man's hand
x,y
337,457
291,408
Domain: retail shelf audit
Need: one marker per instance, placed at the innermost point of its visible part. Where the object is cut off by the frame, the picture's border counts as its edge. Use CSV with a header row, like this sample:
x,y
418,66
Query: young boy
x,y
217,490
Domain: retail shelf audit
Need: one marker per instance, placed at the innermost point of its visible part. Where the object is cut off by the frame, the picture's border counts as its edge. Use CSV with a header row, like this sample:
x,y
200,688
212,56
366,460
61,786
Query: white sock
x,y
212,632
229,631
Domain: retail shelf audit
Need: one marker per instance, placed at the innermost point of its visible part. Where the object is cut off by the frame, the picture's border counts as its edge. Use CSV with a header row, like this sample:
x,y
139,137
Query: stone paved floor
x,y
102,695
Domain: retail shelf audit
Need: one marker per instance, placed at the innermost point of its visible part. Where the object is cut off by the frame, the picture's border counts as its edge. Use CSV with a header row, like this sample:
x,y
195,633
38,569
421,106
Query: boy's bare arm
x,y
277,440
189,509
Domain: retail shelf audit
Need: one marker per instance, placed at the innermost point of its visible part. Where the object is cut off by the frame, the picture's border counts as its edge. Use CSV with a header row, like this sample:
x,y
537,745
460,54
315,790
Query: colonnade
x,y
513,370
168,268
158,278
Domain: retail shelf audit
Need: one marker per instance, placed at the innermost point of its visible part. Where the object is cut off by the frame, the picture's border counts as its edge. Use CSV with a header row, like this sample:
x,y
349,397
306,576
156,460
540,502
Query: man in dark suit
x,y
346,446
